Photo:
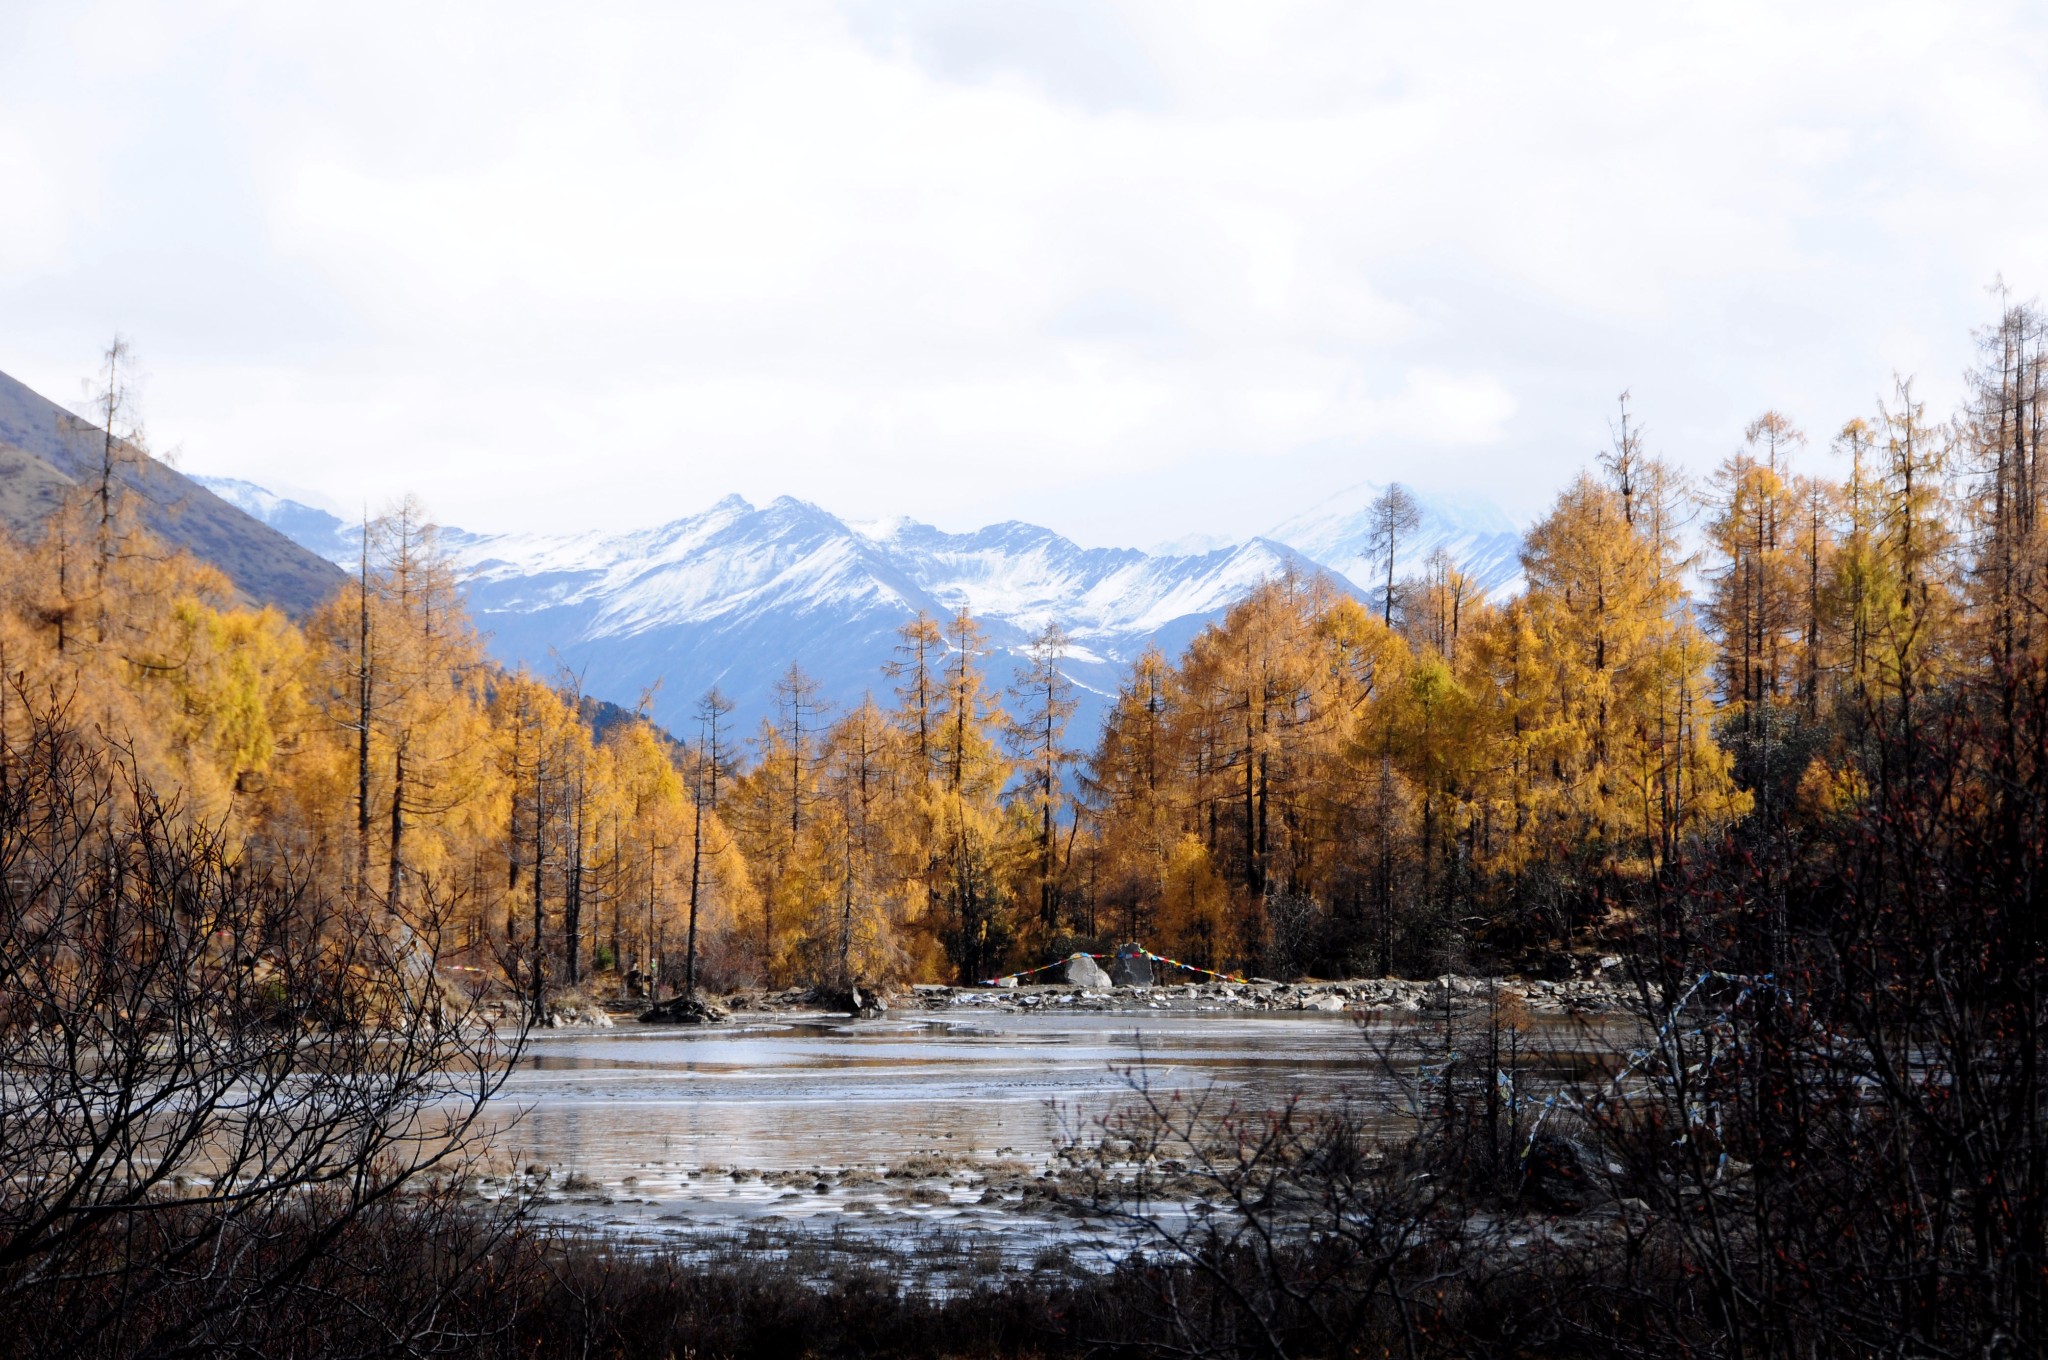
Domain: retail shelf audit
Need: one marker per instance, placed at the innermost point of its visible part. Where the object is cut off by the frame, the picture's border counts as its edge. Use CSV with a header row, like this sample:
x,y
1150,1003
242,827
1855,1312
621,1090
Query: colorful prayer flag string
x,y
1190,967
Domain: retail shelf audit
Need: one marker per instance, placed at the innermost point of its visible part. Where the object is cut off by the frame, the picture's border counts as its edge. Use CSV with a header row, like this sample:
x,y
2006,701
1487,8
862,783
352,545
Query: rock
x,y
1082,971
1325,1002
860,1002
685,1010
1554,1175
575,1016
1132,968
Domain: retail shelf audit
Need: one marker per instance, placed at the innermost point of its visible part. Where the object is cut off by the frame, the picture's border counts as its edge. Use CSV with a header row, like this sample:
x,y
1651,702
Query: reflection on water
x,y
824,1092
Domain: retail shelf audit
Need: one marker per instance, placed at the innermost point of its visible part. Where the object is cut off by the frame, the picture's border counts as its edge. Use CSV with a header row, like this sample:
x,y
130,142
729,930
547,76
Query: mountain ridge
x,y
735,593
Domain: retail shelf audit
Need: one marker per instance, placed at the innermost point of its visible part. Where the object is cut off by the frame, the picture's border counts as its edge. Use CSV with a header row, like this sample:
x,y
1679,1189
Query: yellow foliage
x,y
1194,906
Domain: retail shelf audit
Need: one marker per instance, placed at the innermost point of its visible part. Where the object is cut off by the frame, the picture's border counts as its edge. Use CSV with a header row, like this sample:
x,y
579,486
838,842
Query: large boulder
x,y
1132,968
858,1000
1554,1175
1082,971
685,1010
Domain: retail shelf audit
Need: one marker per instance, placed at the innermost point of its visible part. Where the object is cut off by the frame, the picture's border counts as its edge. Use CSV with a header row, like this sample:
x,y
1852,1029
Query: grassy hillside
x,y
44,449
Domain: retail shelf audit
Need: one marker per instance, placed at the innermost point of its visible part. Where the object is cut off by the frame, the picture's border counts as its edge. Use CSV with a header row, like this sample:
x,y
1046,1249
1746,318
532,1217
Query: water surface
x,y
816,1091
792,1120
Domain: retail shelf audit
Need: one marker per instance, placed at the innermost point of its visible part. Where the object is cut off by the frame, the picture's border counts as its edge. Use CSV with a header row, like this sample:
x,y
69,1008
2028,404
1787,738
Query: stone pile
x,y
1089,988
1367,996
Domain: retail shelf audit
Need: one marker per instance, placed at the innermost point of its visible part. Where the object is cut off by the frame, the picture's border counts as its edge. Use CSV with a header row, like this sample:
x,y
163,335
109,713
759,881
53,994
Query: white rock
x,y
1082,971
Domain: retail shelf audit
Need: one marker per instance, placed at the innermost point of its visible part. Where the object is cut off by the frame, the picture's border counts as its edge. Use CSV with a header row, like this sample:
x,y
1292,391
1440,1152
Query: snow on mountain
x,y
311,527
1192,545
1483,542
733,595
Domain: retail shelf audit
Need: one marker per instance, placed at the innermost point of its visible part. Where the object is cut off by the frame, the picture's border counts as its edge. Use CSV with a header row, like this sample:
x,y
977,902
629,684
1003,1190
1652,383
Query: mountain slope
x,y
44,450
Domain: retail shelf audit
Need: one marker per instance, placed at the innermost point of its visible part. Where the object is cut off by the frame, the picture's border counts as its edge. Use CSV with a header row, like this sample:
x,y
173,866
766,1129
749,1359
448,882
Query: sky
x,y
1130,270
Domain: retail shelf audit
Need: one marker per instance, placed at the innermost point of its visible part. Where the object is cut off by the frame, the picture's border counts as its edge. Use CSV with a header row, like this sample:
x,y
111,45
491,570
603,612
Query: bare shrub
x,y
217,1073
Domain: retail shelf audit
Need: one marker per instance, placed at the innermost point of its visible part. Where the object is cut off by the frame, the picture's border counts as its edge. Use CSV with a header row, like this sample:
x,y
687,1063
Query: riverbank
x,y
1368,997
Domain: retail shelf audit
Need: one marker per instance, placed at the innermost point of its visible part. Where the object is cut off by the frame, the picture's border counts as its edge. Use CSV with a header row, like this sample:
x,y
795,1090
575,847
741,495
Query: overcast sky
x,y
1128,270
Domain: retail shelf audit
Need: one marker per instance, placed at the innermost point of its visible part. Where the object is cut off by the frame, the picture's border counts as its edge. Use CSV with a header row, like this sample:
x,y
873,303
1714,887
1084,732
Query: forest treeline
x,y
1319,784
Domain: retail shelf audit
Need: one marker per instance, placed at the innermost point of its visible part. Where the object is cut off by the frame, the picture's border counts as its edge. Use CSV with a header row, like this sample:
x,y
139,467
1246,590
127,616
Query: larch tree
x,y
659,816
1037,734
969,854
777,799
426,724
1393,515
915,671
1860,587
1132,783
2002,428
1435,605
542,743
858,784
1915,541
1602,613
709,764
1754,602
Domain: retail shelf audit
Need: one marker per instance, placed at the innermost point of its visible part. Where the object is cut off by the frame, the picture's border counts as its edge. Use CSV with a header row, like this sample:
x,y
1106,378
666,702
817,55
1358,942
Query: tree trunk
x,y
696,870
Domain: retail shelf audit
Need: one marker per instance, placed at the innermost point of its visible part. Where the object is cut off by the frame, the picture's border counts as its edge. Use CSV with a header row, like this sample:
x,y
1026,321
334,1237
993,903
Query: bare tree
x,y
1623,462
118,436
1393,515
212,1069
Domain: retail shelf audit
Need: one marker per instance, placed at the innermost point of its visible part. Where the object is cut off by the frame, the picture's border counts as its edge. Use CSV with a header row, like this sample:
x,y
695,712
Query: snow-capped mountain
x,y
733,595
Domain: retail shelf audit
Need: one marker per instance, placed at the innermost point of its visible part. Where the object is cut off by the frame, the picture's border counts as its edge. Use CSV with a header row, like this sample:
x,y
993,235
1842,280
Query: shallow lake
x,y
815,1091
663,1128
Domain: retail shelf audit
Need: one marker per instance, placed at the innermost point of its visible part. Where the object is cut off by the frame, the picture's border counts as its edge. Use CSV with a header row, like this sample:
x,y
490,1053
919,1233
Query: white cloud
x,y
32,225
1132,269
